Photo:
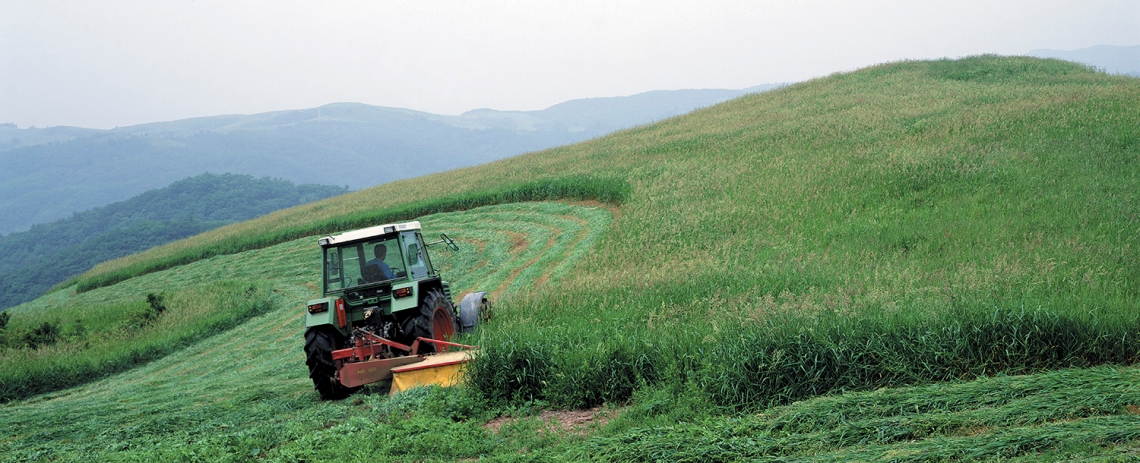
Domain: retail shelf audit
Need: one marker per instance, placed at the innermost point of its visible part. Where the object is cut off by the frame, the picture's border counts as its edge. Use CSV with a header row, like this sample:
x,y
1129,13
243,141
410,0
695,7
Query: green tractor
x,y
383,305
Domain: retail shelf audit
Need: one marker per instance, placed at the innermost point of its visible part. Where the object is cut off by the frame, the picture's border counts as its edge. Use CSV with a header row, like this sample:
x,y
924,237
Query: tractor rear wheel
x,y
320,341
435,320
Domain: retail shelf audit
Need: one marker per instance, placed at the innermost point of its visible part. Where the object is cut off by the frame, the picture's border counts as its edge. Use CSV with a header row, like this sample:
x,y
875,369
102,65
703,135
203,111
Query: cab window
x,y
418,266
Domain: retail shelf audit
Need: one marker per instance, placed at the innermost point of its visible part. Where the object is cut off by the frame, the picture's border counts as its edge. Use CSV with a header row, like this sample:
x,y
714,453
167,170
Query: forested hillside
x,y
33,261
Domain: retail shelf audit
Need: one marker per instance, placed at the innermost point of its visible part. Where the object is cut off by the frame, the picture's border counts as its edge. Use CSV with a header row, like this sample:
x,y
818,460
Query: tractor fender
x,y
323,317
473,307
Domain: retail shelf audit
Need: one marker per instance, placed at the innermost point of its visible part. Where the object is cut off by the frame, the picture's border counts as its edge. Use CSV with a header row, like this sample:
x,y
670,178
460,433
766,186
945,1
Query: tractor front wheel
x,y
320,341
435,320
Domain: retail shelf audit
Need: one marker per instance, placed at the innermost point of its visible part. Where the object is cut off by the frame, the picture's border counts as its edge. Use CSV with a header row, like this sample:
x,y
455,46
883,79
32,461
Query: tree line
x,y
33,261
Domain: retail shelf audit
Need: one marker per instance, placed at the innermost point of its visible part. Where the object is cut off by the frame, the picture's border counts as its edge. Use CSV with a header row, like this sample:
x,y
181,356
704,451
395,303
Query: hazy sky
x,y
108,63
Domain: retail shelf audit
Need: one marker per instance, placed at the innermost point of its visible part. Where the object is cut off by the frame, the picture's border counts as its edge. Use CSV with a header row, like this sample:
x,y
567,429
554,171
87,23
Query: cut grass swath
x,y
607,190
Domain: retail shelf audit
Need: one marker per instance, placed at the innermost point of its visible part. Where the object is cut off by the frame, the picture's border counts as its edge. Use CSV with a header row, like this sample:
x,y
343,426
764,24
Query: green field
x,y
914,261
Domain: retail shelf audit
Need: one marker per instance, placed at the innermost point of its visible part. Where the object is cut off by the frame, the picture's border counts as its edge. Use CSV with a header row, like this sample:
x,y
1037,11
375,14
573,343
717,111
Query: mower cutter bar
x,y
363,363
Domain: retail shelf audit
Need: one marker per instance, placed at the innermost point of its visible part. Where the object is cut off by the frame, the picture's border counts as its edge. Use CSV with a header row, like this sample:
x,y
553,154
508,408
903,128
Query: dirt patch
x,y
516,272
615,210
561,421
518,242
973,431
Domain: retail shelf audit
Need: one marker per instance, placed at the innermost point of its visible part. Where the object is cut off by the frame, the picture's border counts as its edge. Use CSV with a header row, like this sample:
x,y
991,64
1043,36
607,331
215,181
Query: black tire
x,y
425,323
320,341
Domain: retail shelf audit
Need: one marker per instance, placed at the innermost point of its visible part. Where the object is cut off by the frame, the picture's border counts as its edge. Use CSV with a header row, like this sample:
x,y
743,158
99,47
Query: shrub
x,y
192,315
46,334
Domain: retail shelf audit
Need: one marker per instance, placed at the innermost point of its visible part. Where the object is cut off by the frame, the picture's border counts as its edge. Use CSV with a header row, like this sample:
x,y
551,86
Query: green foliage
x,y
577,187
46,334
48,254
124,336
154,308
816,248
790,358
156,303
567,372
995,69
994,418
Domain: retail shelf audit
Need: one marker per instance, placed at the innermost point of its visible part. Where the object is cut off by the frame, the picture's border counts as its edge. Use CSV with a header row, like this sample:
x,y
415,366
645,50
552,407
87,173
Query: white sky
x,y
108,63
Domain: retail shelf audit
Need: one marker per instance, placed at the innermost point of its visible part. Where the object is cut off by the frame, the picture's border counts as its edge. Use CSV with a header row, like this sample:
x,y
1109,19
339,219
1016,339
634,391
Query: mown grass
x,y
1025,417
183,252
786,358
98,341
907,223
246,394
119,333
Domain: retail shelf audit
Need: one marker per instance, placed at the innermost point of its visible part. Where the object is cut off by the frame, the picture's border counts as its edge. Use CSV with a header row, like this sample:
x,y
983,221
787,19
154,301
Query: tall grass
x,y
1037,418
246,394
790,357
908,223
608,190
120,329
897,197
118,337
921,221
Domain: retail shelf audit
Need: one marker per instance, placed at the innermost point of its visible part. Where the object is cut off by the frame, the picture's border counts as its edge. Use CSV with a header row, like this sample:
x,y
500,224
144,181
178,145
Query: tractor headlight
x,y
319,307
402,292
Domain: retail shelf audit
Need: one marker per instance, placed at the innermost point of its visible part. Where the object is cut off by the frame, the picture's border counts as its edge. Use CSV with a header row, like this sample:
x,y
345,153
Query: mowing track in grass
x,y
246,391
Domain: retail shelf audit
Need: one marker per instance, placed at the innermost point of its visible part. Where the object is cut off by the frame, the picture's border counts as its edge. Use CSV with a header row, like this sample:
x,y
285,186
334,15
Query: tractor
x,y
382,306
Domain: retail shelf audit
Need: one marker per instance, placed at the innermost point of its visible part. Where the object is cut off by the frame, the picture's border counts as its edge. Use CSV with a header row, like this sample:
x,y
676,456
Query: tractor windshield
x,y
363,262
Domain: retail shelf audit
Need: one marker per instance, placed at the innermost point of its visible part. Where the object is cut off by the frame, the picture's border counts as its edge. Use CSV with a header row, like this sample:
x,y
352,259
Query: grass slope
x,y
508,249
229,394
860,218
245,395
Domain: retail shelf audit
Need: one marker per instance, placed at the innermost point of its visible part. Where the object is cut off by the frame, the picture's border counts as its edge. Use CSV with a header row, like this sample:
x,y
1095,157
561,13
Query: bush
x,y
156,303
154,309
195,314
44,335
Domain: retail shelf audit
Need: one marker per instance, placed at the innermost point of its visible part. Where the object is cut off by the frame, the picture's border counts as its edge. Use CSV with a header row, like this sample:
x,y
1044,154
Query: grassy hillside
x,y
103,166
506,250
35,260
779,257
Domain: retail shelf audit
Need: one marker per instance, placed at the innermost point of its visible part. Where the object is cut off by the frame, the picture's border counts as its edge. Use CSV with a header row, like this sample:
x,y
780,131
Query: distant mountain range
x,y
50,173
1110,58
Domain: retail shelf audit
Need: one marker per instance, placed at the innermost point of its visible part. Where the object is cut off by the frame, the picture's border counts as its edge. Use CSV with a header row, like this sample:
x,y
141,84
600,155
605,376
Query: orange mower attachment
x,y
368,362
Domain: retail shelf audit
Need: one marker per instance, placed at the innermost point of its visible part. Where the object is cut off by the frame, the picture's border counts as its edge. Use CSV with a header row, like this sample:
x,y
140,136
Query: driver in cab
x,y
381,251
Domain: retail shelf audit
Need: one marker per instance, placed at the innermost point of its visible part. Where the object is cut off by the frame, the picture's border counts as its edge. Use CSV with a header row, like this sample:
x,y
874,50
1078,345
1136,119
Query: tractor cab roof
x,y
369,232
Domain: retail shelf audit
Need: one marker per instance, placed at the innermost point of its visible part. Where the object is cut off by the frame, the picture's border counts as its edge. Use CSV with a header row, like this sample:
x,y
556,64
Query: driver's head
x,y
381,251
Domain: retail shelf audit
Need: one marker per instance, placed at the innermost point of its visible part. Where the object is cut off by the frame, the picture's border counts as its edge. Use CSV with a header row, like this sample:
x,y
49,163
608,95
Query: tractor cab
x,y
374,255
375,273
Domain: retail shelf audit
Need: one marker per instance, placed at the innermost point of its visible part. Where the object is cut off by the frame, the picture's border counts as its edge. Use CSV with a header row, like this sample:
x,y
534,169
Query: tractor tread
x,y
319,344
